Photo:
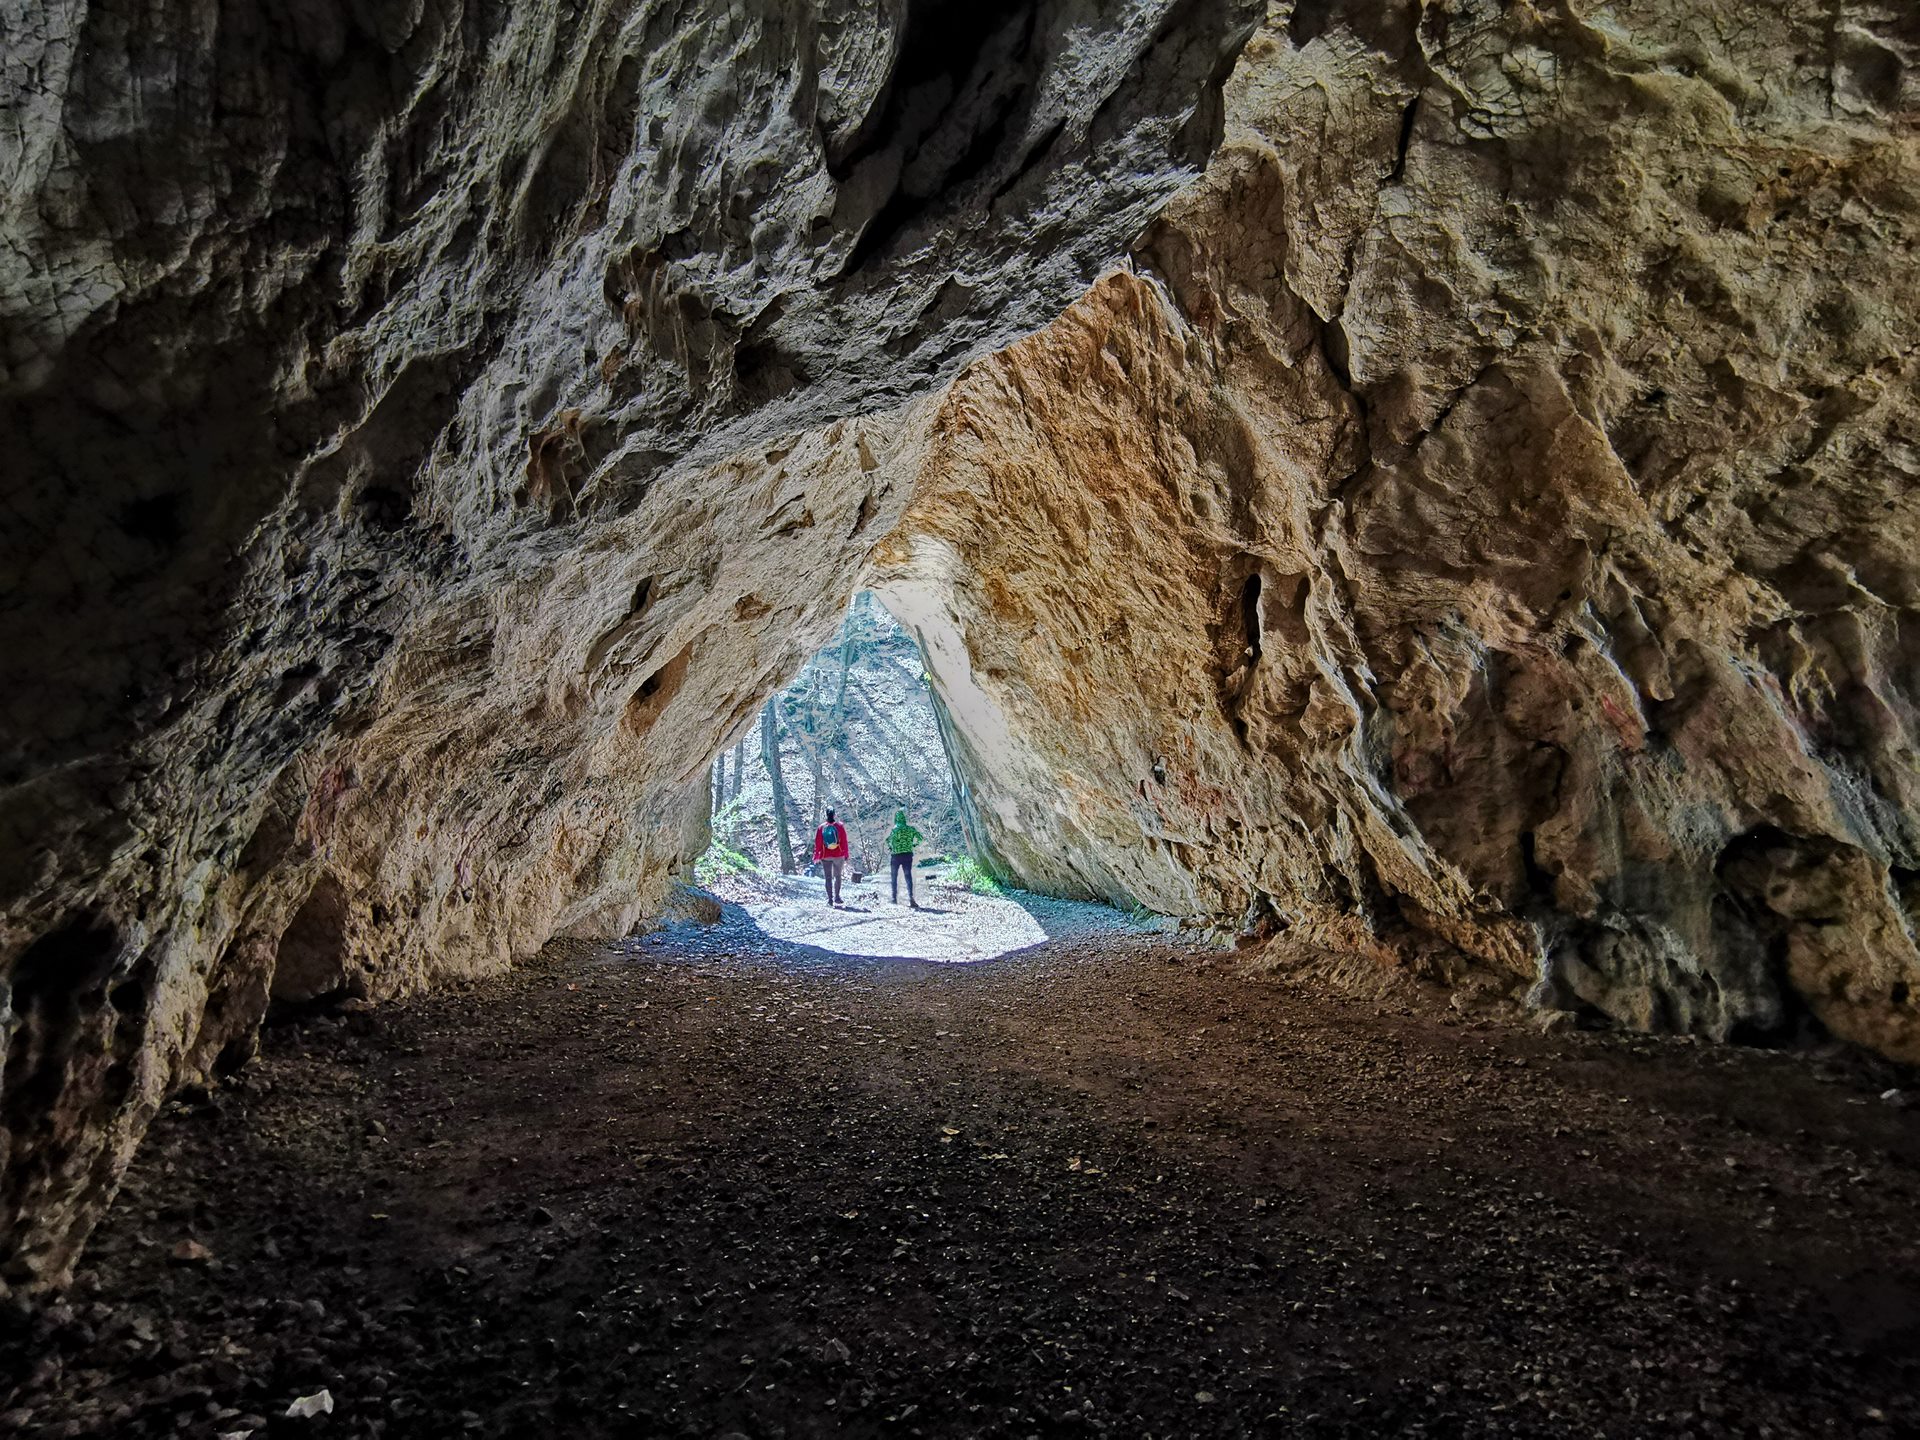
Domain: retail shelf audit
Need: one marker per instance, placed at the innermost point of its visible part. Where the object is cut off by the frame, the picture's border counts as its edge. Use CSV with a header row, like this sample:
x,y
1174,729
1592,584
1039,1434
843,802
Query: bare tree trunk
x,y
822,738
739,767
846,669
818,771
770,757
719,781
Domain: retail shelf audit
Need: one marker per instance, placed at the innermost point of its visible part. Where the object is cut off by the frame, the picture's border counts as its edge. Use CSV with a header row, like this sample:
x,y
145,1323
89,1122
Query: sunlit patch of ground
x,y
953,923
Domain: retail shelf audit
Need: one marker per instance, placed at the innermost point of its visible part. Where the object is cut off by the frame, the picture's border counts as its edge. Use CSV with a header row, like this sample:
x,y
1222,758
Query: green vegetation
x,y
976,877
722,856
855,729
722,860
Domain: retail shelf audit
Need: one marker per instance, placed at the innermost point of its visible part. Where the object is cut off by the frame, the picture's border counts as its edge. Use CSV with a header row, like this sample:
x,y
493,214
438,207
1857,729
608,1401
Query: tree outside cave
x,y
859,729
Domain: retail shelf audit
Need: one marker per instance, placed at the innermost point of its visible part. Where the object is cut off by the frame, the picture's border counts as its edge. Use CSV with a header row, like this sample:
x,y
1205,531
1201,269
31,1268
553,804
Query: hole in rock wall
x,y
68,1027
1250,617
861,731
658,689
56,980
311,963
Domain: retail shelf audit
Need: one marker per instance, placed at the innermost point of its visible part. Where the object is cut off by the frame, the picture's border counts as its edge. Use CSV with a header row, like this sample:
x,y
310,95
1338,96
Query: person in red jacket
x,y
830,849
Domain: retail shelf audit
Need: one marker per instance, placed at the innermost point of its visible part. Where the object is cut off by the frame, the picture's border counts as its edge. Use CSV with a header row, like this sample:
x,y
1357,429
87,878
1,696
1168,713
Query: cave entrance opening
x,y
860,731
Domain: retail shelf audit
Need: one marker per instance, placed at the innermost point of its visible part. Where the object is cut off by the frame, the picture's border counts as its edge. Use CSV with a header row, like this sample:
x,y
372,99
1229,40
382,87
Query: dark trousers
x,y
831,869
903,865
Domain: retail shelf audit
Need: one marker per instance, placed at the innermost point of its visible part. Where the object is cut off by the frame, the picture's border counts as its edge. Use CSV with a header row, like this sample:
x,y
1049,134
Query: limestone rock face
x,y
1474,529
431,432
1482,523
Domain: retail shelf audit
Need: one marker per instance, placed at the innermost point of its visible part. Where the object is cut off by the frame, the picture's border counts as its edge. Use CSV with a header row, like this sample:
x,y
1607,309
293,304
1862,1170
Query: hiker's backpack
x,y
830,836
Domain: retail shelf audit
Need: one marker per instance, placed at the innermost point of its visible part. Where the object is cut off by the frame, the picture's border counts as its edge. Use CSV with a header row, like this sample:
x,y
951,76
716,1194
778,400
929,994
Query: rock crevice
x,y
362,370
1469,528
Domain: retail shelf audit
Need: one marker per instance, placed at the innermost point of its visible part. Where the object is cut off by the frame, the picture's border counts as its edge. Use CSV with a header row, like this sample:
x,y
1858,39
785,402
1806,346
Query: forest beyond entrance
x,y
859,731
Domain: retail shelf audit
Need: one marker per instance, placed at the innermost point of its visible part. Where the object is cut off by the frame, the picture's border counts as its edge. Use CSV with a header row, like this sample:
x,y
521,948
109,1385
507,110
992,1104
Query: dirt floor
x,y
710,1185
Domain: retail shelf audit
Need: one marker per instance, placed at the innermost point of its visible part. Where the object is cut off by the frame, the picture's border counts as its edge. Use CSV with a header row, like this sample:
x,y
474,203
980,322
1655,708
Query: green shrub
x,y
976,877
722,857
724,826
722,860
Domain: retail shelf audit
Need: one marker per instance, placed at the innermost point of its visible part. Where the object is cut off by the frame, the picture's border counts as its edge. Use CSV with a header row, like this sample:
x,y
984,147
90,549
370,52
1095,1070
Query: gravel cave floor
x,y
707,1184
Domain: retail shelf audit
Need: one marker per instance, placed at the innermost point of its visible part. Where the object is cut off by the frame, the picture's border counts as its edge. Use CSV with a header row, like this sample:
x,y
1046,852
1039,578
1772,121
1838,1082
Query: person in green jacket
x,y
900,842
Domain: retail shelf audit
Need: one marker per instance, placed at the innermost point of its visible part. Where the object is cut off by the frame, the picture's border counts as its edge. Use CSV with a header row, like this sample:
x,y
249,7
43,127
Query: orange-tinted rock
x,y
430,435
1486,508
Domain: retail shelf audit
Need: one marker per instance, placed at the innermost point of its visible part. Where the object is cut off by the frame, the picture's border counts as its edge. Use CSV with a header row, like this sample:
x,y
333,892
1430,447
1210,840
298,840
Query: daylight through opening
x,y
849,768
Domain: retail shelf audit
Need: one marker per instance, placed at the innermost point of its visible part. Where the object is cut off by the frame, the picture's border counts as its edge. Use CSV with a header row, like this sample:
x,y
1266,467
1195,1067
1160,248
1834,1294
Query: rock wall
x,y
1480,526
432,433
1474,530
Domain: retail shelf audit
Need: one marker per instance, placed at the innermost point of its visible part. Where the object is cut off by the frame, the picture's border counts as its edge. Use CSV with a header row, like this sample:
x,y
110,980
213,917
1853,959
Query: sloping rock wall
x,y
1481,524
430,436
1474,531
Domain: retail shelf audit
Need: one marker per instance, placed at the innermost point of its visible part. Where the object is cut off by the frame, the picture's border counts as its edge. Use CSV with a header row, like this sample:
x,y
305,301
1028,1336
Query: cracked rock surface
x,y
1471,531
1478,531
431,427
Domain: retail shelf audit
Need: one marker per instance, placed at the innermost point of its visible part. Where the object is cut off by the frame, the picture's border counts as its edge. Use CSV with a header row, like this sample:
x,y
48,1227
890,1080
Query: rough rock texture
x,y
1482,525
397,514
1476,530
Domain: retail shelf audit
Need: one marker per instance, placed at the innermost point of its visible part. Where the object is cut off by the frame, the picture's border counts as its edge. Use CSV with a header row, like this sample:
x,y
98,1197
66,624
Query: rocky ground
x,y
706,1184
